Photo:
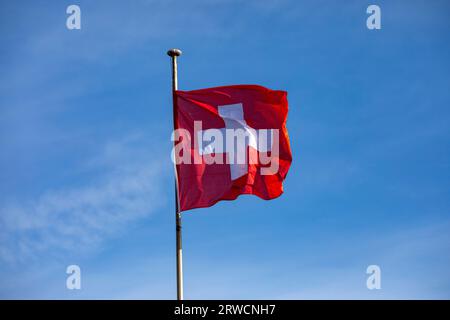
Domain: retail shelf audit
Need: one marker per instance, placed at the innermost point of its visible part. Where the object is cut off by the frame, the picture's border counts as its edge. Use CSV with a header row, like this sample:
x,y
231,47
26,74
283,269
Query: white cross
x,y
233,116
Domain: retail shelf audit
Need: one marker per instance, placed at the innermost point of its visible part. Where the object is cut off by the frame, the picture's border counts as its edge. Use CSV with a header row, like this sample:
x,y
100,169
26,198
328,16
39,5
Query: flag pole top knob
x,y
174,52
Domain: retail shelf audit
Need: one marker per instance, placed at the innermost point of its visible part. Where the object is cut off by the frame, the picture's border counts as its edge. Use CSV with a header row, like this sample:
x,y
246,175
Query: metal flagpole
x,y
174,53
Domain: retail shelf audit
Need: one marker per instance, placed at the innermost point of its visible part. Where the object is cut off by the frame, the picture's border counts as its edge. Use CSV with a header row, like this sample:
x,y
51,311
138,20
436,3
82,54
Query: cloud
x,y
81,218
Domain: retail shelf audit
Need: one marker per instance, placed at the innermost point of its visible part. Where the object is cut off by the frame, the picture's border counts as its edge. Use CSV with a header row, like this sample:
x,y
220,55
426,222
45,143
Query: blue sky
x,y
86,177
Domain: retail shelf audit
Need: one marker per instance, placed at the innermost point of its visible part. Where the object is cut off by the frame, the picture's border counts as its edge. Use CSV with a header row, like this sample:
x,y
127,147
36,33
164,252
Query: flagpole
x,y
174,53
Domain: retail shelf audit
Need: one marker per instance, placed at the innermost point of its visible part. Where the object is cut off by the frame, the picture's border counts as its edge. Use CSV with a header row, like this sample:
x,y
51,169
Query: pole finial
x,y
174,52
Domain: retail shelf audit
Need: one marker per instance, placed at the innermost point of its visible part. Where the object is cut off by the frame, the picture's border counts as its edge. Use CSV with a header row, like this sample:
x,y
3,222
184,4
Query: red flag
x,y
230,141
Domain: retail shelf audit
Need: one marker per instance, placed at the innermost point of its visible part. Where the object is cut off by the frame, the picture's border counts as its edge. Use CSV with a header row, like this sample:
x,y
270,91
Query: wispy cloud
x,y
80,218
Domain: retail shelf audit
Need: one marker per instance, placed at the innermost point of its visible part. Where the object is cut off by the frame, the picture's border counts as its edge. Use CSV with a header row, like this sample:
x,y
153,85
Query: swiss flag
x,y
214,165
